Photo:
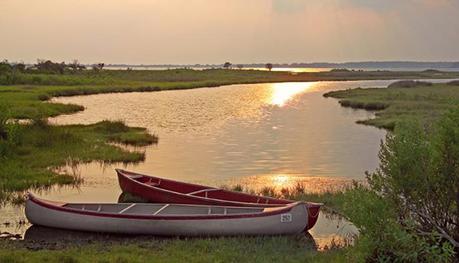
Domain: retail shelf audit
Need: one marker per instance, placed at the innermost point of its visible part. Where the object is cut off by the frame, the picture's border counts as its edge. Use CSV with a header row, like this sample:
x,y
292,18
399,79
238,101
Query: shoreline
x,y
423,101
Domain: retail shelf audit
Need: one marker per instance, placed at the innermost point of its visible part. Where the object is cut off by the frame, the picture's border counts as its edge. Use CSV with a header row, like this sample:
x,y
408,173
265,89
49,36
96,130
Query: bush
x,y
382,237
419,174
409,84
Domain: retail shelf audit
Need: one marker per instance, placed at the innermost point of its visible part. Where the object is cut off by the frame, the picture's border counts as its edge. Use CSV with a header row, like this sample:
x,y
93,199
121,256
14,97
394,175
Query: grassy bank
x,y
250,249
401,101
31,151
27,91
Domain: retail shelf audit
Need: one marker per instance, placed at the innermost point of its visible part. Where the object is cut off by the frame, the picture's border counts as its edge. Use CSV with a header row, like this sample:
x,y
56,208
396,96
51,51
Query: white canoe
x,y
167,219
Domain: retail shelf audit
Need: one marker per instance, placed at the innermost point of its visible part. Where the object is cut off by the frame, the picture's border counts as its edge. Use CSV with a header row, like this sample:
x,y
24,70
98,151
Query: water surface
x,y
255,135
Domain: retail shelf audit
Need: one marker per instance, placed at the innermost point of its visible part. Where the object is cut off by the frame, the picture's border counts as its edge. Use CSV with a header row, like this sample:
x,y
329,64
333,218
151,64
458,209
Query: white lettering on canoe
x,y
286,218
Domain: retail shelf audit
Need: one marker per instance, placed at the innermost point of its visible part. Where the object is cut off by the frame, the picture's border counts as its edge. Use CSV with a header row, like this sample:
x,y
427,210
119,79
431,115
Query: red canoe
x,y
160,190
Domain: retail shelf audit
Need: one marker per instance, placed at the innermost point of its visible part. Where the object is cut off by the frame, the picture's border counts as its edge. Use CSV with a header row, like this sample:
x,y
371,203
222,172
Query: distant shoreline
x,y
415,65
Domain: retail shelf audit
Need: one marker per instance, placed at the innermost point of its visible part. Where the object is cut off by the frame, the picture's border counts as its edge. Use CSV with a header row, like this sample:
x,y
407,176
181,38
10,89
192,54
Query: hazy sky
x,y
241,31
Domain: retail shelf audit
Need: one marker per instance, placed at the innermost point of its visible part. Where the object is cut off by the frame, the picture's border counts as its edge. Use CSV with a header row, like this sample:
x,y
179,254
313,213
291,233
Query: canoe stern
x,y
313,214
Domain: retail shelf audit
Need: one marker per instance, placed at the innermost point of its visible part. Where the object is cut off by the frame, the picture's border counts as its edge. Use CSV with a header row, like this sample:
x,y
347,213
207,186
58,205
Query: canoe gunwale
x,y
60,207
130,176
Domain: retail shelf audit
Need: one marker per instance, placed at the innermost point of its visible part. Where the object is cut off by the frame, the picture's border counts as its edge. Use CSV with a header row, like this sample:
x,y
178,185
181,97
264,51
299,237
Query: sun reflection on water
x,y
281,180
281,93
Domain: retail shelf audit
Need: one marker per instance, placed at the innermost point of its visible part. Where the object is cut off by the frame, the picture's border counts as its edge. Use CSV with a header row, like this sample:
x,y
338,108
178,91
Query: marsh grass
x,y
397,104
230,249
29,90
42,146
333,199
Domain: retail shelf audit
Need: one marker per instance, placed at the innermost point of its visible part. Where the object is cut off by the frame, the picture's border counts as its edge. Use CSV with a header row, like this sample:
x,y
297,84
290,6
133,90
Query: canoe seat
x,y
150,182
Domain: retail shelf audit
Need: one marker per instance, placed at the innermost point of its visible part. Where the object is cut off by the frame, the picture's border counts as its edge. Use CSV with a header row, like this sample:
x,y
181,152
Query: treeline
x,y
46,67
47,72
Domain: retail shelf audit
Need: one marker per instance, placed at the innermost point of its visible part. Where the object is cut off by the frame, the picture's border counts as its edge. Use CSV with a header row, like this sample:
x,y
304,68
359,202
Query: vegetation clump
x,y
28,151
409,84
338,70
419,173
399,104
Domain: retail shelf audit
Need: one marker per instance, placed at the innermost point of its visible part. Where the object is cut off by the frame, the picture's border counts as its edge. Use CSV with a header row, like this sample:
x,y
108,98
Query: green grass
x,y
124,77
42,147
237,249
401,102
26,94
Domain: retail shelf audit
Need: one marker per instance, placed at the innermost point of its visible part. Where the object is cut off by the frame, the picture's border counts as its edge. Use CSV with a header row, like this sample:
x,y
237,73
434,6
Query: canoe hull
x,y
129,183
271,224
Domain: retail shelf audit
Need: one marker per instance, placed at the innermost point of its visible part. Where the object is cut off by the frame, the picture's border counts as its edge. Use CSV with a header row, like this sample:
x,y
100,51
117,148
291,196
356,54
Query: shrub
x,y
382,237
419,173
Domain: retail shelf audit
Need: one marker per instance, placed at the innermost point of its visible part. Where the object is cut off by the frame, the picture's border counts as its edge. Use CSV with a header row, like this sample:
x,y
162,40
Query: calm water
x,y
255,135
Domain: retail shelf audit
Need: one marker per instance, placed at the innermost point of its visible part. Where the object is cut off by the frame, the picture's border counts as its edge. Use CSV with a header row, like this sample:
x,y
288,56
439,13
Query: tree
x,y
98,67
47,66
269,66
76,66
5,67
227,65
21,67
240,66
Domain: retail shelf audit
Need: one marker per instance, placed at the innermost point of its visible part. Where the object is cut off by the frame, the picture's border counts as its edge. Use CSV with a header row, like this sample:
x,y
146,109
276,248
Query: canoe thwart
x,y
161,209
127,208
203,191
